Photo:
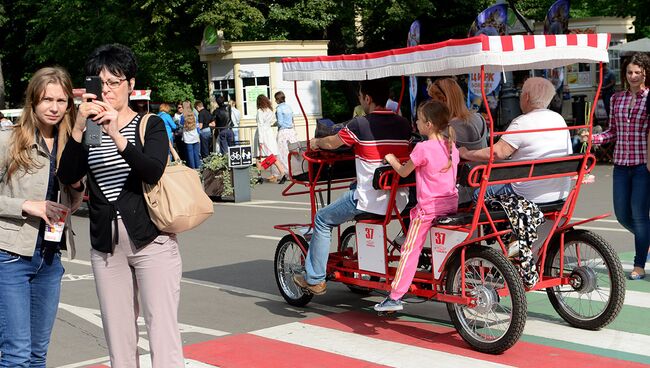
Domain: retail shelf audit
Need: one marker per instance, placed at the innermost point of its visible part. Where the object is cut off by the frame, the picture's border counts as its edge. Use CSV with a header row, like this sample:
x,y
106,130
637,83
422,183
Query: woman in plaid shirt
x,y
628,126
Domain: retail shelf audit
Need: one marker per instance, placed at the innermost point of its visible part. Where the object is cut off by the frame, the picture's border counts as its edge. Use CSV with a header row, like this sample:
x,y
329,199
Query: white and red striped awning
x,y
140,94
452,57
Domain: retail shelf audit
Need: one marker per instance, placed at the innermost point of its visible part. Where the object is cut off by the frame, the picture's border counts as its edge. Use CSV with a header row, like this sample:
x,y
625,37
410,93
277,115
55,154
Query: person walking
x,y
435,162
223,125
628,127
191,136
608,88
170,125
30,263
286,131
235,118
267,141
205,131
178,134
134,264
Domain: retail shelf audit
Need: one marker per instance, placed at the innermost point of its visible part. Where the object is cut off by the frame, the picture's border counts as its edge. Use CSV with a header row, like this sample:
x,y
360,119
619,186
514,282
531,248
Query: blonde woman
x,y
30,265
191,136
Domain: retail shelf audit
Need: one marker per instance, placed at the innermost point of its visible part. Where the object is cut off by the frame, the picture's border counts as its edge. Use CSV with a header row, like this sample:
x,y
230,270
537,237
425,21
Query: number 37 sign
x,y
442,242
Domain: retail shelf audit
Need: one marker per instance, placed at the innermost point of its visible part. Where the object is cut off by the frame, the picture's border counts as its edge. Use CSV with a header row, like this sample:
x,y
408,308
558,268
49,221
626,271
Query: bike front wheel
x,y
496,320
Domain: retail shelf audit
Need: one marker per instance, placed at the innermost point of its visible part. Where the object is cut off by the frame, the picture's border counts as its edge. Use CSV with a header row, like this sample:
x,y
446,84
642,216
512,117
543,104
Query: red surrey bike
x,y
465,264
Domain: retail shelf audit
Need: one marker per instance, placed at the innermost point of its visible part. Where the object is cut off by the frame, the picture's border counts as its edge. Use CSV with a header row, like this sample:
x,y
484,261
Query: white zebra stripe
x,y
366,348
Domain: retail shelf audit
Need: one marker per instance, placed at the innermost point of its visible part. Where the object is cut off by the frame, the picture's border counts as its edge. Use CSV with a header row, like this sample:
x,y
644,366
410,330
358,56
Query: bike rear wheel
x,y
596,292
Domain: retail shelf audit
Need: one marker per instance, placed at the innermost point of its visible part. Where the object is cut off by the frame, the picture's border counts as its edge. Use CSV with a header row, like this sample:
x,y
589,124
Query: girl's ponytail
x,y
451,140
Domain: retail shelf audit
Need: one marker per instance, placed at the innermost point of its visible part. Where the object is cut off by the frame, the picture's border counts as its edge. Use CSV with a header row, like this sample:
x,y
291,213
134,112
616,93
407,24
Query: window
x,y
615,65
225,88
254,87
579,75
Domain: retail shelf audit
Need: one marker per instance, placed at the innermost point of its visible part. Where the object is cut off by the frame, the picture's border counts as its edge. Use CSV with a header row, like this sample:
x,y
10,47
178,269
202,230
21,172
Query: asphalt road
x,y
228,285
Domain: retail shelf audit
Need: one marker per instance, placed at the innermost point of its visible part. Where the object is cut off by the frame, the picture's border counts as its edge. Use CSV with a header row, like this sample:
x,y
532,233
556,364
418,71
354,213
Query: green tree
x,y
3,20
165,35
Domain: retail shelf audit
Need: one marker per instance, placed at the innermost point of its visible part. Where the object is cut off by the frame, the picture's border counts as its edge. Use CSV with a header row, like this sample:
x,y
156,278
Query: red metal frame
x,y
341,266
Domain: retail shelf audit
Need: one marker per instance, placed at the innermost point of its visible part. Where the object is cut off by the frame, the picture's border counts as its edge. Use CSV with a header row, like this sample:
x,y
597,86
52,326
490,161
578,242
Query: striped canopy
x,y
496,53
140,94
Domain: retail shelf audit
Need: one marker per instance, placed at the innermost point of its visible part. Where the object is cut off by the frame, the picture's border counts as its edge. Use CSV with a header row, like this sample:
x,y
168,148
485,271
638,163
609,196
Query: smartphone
x,y
93,133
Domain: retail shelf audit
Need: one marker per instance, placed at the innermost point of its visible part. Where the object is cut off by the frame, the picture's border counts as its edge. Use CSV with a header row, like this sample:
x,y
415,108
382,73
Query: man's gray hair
x,y
540,92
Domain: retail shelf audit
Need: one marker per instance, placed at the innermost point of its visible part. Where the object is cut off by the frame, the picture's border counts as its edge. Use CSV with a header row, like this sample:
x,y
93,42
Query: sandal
x,y
634,275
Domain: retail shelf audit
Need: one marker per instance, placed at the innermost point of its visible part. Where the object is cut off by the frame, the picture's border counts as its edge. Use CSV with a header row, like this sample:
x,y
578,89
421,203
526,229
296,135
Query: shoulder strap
x,y
143,127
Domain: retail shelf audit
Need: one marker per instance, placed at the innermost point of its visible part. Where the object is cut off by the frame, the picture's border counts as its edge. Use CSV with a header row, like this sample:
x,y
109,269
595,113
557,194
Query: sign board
x,y
442,242
251,96
491,82
370,243
240,156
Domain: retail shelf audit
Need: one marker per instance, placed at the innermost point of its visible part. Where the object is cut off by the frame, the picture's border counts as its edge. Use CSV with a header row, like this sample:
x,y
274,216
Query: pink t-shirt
x,y
436,190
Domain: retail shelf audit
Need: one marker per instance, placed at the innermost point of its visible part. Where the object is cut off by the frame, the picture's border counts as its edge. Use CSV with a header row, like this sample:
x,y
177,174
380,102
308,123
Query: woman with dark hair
x,y
628,126
267,141
134,264
30,260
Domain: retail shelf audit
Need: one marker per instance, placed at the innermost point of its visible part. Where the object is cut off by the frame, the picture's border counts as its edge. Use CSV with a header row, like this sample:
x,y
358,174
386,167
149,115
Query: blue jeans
x,y
631,206
226,139
494,190
29,298
206,139
193,155
342,210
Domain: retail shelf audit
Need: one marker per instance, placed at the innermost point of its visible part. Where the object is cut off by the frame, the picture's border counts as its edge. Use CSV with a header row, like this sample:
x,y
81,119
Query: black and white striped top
x,y
109,167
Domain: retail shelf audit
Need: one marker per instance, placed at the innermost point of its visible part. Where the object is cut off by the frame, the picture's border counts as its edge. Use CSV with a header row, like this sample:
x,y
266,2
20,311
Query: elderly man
x,y
380,132
536,95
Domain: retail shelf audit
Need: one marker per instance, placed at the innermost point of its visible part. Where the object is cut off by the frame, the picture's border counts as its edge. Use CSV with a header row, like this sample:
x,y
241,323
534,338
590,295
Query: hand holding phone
x,y
93,133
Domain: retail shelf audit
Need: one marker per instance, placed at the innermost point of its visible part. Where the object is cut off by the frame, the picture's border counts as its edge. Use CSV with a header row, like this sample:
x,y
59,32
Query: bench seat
x,y
465,218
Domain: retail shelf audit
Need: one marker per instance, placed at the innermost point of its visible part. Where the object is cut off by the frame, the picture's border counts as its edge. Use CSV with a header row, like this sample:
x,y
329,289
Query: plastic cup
x,y
54,233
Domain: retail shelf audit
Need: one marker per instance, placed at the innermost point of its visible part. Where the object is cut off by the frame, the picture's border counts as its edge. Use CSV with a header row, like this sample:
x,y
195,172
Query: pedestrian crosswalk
x,y
359,338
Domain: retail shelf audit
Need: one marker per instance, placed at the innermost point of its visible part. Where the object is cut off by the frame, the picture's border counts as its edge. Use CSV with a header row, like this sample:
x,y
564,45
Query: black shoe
x,y
283,179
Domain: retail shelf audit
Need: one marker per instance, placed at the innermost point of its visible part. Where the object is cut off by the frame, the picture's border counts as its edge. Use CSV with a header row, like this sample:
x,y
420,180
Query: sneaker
x,y
318,289
282,180
389,305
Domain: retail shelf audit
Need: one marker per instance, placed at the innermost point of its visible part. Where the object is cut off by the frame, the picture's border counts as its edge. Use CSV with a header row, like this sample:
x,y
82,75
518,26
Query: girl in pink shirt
x,y
435,162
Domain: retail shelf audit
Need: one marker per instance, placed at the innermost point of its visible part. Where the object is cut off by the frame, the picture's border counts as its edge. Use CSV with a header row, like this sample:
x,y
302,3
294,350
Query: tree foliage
x,y
165,34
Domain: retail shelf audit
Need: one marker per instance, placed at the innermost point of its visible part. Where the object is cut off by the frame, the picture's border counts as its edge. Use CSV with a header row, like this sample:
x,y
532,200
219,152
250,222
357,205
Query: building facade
x,y
241,71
